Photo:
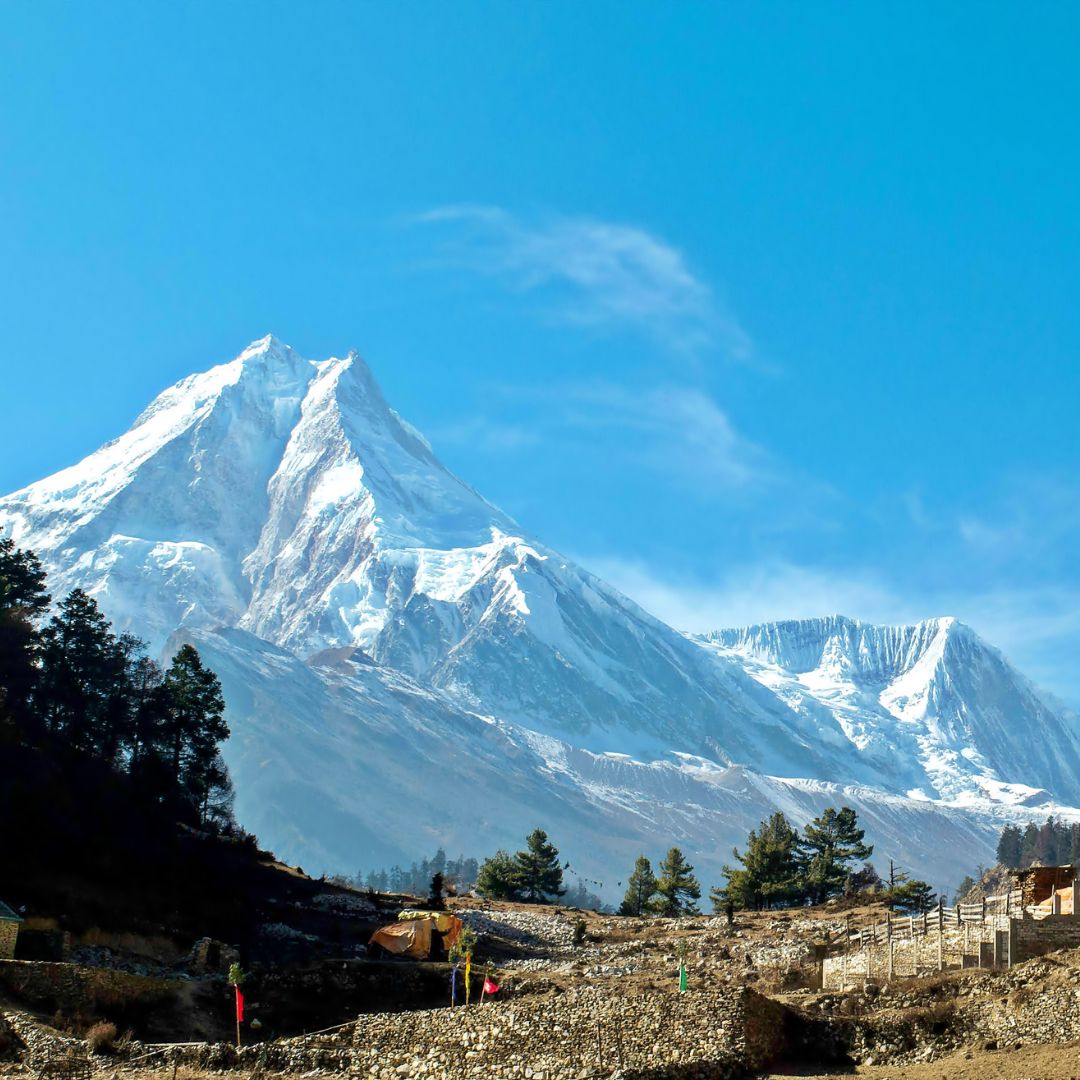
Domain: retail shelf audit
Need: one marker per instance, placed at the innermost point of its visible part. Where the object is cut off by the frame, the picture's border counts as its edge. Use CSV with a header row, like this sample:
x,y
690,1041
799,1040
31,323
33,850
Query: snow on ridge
x,y
284,499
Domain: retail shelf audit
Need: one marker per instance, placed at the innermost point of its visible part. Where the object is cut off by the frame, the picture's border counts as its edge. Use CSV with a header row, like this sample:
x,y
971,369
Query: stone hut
x,y
9,931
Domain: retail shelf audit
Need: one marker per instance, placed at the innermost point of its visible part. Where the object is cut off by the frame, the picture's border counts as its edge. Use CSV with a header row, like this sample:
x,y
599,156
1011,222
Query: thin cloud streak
x,y
603,275
677,432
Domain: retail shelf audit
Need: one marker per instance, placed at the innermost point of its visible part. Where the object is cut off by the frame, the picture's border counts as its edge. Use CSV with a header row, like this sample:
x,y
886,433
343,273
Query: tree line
x,y
458,874
779,867
1054,843
73,687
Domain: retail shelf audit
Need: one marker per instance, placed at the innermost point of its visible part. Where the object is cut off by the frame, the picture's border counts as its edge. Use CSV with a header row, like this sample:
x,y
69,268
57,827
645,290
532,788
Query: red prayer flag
x,y
490,987
239,1006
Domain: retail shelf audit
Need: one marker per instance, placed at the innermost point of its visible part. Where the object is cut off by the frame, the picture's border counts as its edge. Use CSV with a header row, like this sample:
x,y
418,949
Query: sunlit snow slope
x,y
424,651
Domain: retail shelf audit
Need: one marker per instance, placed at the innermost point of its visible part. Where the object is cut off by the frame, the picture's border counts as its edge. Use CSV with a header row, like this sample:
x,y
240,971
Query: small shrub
x,y
579,933
101,1038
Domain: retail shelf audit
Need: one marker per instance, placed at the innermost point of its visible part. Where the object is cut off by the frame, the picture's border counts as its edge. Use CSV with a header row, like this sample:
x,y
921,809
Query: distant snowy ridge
x,y
279,513
933,693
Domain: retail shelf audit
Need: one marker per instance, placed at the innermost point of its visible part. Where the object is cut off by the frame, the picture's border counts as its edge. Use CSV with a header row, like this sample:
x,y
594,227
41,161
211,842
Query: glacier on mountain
x,y
395,650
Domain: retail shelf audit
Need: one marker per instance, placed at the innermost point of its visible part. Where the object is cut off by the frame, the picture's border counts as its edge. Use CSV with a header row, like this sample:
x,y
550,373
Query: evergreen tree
x,y
640,889
539,876
193,728
677,888
497,877
966,885
1027,845
436,900
911,896
1046,844
830,844
82,669
769,874
865,879
23,600
1009,846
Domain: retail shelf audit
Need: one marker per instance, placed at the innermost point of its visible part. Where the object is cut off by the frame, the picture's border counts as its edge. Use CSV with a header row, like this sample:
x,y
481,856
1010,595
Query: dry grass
x,y
101,1038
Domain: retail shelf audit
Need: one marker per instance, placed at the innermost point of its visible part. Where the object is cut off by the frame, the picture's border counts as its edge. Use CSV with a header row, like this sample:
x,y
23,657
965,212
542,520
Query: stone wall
x,y
715,1034
1035,937
49,986
9,933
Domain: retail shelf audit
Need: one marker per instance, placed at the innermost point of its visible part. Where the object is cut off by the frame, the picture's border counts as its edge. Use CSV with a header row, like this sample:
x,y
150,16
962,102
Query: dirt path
x,y
1027,1063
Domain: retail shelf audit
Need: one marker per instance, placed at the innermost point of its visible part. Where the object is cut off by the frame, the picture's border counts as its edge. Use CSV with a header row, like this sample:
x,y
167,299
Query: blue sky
x,y
759,310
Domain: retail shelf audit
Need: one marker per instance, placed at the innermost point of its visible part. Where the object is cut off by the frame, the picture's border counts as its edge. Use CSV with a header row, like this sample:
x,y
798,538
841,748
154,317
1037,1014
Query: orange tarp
x,y
412,936
1066,895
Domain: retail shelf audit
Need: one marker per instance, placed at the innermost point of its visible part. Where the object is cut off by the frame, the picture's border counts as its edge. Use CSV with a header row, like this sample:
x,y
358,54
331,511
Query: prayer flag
x,y
468,972
239,1005
490,987
682,978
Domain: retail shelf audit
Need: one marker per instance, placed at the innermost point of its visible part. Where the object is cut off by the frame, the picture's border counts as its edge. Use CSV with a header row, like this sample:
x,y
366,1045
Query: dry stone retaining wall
x,y
68,986
715,1034
9,933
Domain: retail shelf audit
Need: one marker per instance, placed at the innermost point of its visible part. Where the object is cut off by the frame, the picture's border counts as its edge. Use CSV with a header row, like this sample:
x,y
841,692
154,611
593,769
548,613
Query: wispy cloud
x,y
678,433
599,274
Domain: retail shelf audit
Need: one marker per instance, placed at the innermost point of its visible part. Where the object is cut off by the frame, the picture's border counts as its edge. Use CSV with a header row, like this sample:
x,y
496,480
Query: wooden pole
x,y
888,934
940,935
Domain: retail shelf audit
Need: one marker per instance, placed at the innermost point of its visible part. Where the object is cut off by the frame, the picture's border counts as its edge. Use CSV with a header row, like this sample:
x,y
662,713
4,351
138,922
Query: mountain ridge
x,y
283,500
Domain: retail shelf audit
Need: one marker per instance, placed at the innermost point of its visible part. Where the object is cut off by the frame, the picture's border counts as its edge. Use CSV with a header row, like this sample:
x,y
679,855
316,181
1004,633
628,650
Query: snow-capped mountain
x,y
389,641
932,703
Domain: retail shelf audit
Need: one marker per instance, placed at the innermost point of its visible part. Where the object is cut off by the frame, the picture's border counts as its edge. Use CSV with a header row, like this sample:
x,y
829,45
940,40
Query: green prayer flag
x,y
682,978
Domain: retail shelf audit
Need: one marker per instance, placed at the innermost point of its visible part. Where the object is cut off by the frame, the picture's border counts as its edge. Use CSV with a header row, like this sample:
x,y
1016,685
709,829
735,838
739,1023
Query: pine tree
x,y
1046,844
640,889
1009,846
913,896
830,844
23,600
436,900
967,883
677,888
82,670
539,876
1027,845
769,874
193,728
497,877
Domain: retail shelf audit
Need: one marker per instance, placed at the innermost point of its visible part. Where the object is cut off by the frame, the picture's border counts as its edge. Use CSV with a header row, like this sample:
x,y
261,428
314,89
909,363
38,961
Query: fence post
x,y
941,935
888,937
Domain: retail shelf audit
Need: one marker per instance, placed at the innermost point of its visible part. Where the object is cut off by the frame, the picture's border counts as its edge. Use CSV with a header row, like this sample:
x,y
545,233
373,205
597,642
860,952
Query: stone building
x,y
9,931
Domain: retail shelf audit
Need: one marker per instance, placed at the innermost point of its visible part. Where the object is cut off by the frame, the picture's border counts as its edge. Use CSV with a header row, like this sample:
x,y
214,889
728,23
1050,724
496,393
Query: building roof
x,y
1065,869
7,915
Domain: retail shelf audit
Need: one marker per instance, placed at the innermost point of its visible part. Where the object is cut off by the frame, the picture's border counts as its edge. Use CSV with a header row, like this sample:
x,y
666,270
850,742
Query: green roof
x,y
7,915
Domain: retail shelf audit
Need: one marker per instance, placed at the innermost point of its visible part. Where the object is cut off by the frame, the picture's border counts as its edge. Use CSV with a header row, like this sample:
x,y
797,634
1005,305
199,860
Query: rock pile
x,y
553,933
